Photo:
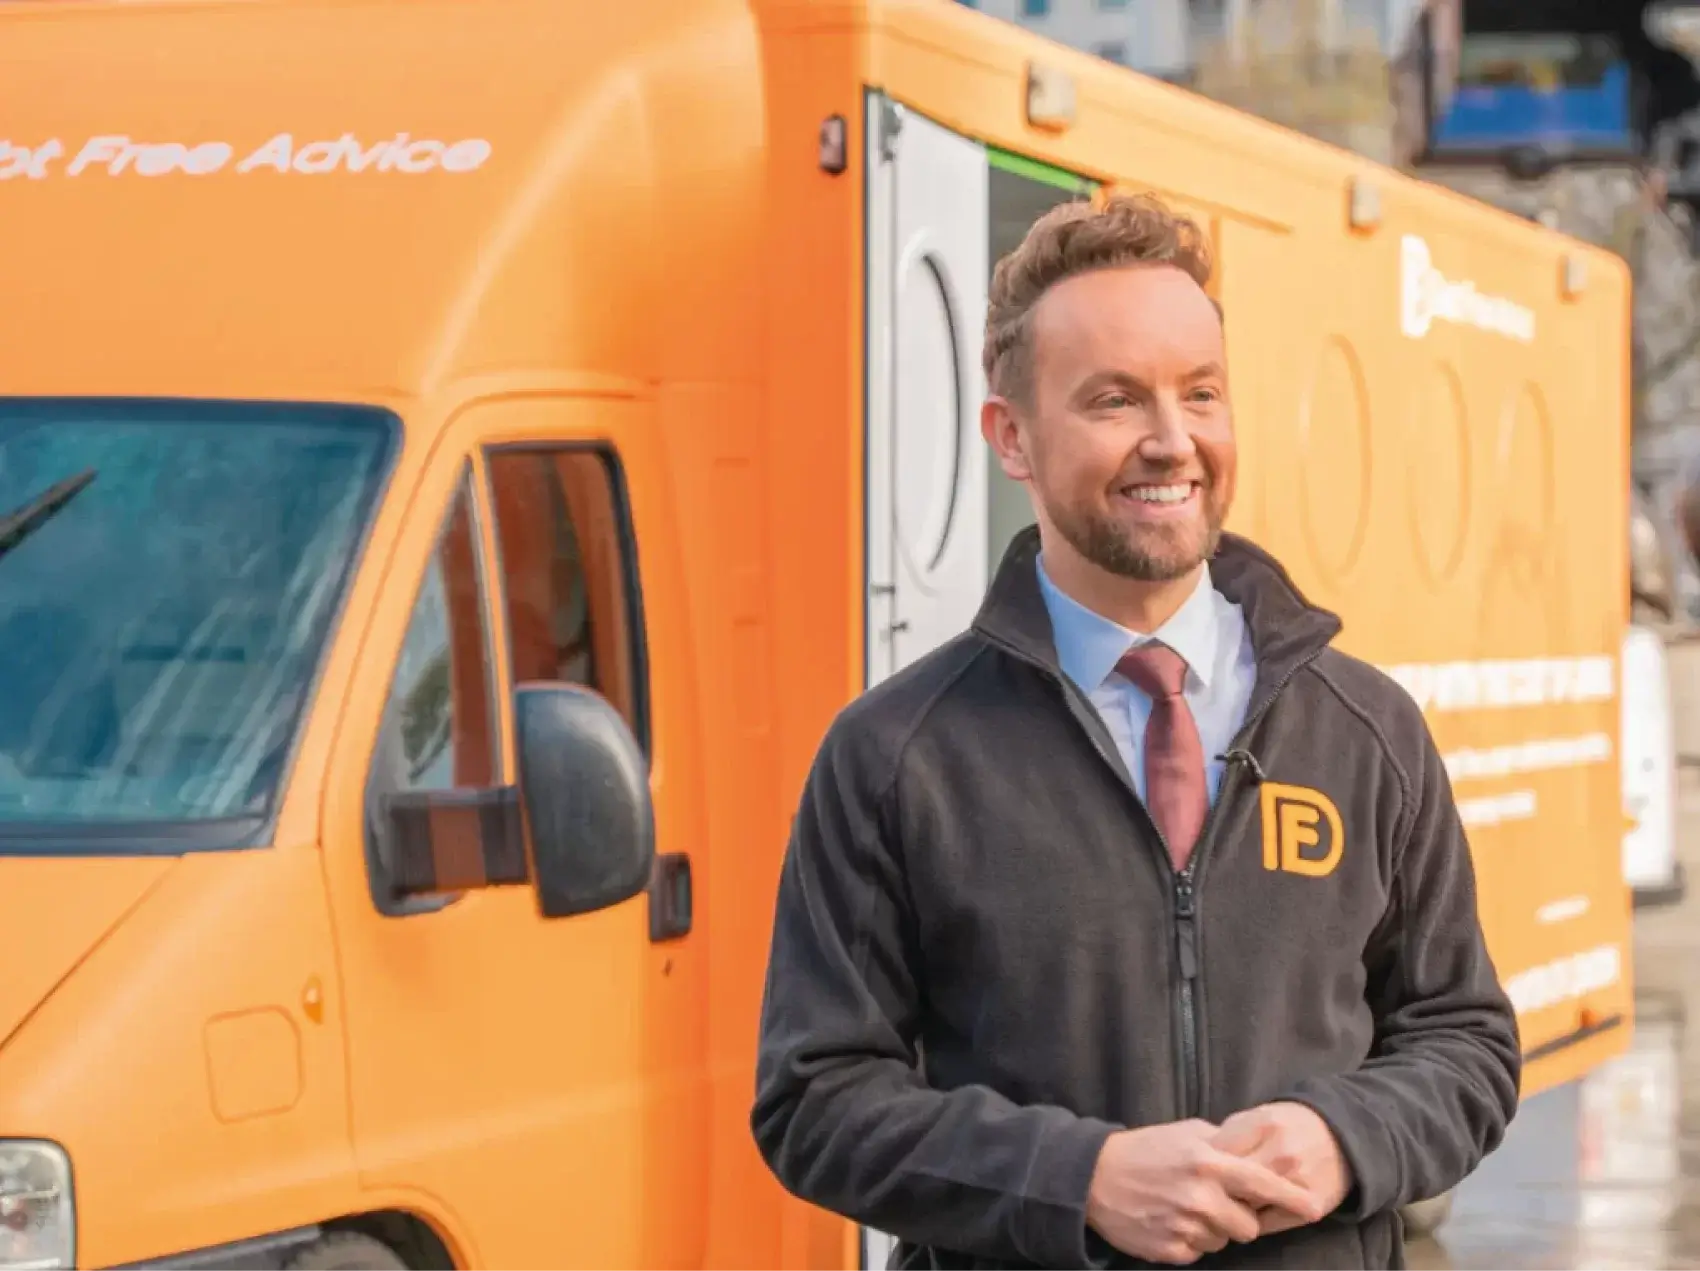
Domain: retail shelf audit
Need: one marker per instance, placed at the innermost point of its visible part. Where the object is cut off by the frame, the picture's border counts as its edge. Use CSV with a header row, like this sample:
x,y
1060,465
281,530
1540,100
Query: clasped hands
x,y
1172,1193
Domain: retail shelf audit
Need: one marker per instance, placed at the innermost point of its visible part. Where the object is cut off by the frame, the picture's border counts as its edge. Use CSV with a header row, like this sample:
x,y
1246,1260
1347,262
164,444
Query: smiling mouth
x,y
1166,495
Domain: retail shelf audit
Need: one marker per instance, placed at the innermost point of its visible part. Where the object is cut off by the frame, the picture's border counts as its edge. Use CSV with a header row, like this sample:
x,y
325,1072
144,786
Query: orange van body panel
x,y
179,1066
231,1044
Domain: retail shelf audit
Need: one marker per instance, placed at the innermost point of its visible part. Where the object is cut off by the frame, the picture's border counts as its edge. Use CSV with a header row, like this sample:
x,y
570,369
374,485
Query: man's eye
x,y
1114,401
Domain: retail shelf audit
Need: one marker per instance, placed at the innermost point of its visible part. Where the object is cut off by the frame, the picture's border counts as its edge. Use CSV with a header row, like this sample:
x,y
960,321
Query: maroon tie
x,y
1174,757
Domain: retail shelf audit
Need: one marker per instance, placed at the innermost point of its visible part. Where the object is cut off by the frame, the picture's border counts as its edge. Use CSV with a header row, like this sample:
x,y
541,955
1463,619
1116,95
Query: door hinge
x,y
891,124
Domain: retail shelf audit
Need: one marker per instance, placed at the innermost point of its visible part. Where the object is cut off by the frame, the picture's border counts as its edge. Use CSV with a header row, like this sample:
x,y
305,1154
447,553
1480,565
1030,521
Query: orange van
x,y
456,458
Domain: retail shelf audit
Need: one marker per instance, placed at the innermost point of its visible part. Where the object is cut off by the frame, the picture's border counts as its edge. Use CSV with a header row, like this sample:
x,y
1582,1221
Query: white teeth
x,y
1161,493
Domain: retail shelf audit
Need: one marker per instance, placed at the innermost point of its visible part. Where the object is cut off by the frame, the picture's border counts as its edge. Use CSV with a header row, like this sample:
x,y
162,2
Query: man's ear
x,y
1003,433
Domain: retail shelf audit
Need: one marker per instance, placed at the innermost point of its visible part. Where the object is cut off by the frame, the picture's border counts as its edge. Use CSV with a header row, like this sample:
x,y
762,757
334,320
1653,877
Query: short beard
x,y
1162,559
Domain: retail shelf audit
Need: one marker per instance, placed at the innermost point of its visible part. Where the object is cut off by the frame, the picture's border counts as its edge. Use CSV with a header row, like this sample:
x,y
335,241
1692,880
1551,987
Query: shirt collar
x,y
1089,645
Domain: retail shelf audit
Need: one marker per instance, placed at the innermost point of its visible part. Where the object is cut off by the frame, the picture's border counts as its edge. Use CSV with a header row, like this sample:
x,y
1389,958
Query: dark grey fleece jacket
x,y
983,962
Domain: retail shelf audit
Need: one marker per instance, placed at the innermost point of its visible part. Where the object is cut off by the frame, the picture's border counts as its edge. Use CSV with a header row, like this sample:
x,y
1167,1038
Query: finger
x,y
1241,1135
1206,1203
1203,1236
1259,1186
1178,1252
1232,1220
1275,1153
1271,1221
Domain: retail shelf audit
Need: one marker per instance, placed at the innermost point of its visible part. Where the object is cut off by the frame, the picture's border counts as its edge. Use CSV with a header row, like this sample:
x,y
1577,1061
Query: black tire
x,y
1425,1217
345,1251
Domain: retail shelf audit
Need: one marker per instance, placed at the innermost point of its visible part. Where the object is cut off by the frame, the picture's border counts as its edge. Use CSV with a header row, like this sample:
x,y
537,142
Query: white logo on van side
x,y
1463,686
118,156
1565,979
1427,295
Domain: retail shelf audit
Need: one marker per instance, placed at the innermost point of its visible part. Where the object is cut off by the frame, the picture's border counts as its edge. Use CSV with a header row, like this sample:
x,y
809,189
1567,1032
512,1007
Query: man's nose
x,y
1170,439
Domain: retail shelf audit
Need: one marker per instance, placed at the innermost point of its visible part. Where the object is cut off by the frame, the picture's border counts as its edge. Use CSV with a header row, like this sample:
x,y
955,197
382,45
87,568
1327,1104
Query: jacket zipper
x,y
1185,881
1186,948
1189,1077
1186,897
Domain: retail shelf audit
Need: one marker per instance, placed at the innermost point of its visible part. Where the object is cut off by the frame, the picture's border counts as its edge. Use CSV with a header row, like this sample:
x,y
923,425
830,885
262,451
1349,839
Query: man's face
x,y
1126,437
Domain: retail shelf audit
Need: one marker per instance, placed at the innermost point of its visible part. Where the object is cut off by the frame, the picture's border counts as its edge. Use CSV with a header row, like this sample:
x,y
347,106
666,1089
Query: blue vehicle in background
x,y
1563,94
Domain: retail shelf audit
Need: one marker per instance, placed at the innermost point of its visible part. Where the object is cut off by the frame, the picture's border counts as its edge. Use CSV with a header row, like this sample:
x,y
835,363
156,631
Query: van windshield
x,y
169,574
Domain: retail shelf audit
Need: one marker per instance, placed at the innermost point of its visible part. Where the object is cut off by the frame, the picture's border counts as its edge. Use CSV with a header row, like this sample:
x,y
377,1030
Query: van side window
x,y
439,724
568,573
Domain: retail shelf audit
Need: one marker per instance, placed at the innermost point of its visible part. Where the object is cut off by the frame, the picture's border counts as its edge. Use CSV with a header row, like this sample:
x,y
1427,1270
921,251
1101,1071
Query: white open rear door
x,y
926,462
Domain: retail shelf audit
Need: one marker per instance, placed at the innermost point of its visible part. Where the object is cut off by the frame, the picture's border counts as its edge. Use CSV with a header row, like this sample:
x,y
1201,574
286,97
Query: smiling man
x,y
1136,925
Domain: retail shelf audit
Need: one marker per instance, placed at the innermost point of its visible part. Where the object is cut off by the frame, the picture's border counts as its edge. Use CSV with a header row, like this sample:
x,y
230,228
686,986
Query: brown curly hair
x,y
1076,238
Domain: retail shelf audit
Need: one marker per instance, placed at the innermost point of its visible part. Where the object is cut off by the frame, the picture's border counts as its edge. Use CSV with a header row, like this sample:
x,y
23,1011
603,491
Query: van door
x,y
926,463
926,473
539,1079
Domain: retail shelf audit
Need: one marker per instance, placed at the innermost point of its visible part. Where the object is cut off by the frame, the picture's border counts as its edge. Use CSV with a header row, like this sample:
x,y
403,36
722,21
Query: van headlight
x,y
37,1216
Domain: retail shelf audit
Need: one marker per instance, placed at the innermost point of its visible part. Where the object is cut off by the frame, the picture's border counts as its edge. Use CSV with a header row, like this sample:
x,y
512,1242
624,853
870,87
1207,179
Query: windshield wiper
x,y
16,526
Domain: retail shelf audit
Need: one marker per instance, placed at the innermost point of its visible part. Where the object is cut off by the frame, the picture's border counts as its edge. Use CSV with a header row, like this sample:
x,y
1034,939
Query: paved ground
x,y
1607,1174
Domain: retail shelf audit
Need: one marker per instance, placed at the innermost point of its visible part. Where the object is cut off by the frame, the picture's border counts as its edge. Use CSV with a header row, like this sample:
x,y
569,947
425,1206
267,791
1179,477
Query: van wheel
x,y
1425,1217
345,1251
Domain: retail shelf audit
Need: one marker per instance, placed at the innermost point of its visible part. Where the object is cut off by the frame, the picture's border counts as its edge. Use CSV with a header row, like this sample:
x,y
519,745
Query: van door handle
x,y
670,897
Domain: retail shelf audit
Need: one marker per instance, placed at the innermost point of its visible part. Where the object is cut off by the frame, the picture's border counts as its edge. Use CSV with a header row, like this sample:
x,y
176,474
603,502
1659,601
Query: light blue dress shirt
x,y
1208,631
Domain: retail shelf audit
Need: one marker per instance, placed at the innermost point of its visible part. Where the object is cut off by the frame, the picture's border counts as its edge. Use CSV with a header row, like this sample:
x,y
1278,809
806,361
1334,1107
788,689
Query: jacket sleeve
x,y
1440,1085
843,1115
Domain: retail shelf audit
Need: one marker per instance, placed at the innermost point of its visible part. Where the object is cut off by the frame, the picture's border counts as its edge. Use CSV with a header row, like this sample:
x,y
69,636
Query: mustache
x,y
1165,475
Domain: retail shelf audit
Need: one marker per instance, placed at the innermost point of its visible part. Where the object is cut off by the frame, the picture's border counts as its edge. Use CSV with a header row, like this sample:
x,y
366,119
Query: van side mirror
x,y
585,786
583,795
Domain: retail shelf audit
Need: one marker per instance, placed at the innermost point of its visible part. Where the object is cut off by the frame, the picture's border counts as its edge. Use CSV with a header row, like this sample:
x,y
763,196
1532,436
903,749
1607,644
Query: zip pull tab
x,y
1186,935
1249,760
